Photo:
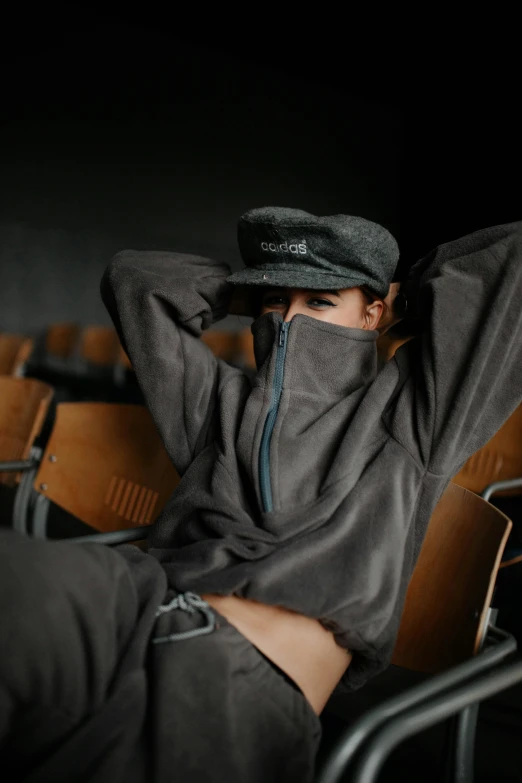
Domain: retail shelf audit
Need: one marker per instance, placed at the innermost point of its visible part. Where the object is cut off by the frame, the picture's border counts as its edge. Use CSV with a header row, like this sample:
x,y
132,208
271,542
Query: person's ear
x,y
372,315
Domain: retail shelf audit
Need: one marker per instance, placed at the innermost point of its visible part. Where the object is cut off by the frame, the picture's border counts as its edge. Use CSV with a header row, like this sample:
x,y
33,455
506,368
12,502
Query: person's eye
x,y
320,302
274,301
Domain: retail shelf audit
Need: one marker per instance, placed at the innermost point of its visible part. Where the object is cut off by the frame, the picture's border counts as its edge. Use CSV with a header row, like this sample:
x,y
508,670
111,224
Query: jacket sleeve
x,y
160,303
462,378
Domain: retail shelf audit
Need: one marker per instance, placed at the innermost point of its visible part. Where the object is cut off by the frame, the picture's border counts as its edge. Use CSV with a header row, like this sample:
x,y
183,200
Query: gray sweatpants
x,y
107,675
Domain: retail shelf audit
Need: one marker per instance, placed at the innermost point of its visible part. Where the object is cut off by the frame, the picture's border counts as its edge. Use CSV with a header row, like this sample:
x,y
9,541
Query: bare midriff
x,y
297,644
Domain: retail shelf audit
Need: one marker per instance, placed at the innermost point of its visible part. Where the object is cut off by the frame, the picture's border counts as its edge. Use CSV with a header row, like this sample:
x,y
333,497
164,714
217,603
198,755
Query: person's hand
x,y
389,317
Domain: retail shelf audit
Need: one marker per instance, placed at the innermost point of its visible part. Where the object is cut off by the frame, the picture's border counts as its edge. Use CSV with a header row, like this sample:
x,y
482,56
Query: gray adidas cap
x,y
294,249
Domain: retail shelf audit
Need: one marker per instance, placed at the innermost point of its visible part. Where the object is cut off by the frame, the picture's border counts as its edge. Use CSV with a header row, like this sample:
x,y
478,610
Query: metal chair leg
x,y
500,647
40,514
112,538
24,492
464,748
425,715
498,486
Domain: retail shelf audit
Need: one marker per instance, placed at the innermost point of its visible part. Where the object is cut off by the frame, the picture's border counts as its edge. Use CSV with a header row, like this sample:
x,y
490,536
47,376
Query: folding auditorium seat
x,y
15,350
61,339
24,410
105,465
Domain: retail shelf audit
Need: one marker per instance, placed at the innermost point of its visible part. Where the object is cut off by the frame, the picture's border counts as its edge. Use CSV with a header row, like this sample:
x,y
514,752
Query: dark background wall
x,y
119,136
159,133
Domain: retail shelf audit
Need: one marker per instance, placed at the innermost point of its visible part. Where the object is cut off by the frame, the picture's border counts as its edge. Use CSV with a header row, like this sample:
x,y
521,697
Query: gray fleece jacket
x,y
312,486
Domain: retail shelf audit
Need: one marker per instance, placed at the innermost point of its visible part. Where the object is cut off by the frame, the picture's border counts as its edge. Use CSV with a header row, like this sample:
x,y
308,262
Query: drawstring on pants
x,y
190,603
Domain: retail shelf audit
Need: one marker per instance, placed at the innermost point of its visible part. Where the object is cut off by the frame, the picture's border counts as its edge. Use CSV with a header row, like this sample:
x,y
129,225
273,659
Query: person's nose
x,y
294,308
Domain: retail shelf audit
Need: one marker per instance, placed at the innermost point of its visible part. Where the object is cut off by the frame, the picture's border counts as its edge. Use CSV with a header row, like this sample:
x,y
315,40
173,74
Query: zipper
x,y
264,450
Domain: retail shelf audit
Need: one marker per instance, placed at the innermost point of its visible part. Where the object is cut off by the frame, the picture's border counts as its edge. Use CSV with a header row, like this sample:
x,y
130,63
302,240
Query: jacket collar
x,y
321,359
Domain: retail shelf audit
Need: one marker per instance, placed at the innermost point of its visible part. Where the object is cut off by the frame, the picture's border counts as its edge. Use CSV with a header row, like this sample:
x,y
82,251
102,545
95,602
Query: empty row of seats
x,y
89,363
101,347
102,463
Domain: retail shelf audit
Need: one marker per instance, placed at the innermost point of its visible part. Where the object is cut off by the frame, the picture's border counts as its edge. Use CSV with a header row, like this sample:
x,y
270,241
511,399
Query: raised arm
x,y
463,377
160,303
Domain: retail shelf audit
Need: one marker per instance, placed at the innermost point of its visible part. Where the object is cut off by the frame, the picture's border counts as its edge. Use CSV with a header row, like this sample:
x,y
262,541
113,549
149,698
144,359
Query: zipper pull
x,y
282,334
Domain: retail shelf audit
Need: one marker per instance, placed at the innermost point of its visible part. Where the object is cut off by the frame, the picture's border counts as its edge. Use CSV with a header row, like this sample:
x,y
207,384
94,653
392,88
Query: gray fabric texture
x,y
86,696
359,456
223,712
76,624
291,248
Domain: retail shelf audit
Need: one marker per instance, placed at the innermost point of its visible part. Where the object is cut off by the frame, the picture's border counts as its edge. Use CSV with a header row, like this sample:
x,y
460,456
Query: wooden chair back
x,y
22,357
15,349
24,403
498,460
61,339
123,359
100,345
450,591
106,464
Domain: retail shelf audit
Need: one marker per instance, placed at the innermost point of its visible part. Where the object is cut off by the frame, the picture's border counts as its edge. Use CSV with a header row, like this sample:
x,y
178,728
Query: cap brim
x,y
300,277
